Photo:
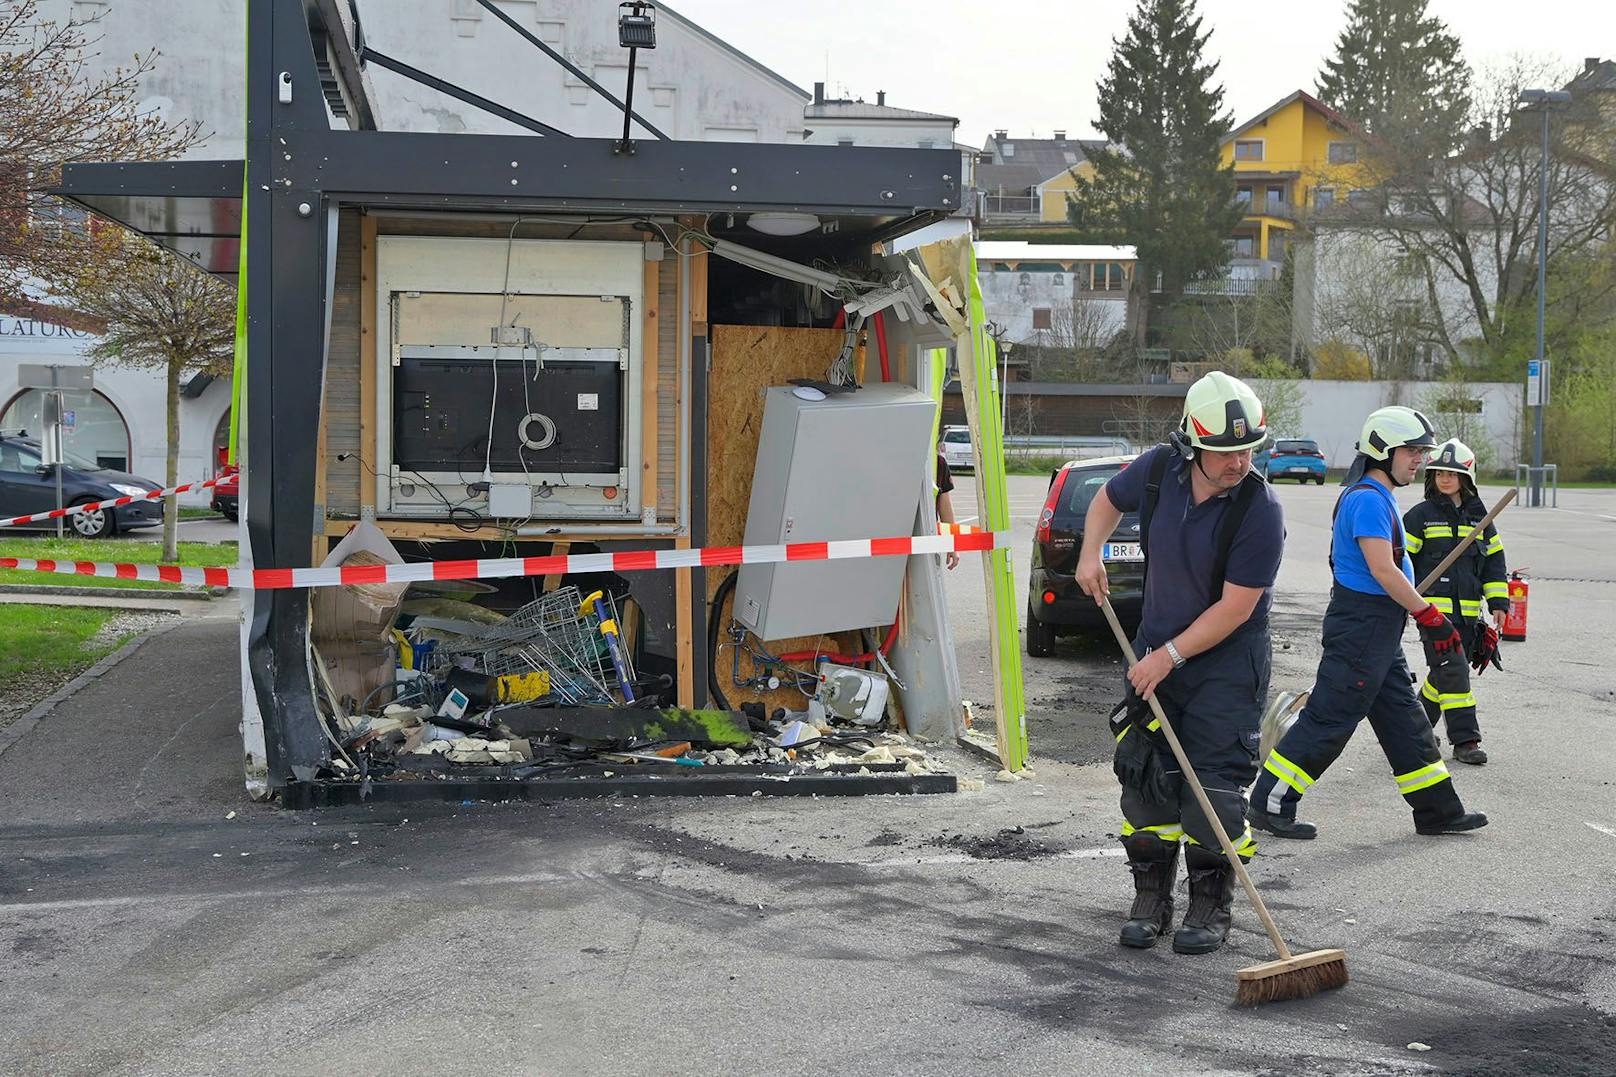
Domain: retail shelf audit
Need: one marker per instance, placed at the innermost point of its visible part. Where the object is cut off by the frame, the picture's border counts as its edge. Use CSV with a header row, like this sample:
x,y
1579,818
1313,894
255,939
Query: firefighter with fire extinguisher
x,y
1477,580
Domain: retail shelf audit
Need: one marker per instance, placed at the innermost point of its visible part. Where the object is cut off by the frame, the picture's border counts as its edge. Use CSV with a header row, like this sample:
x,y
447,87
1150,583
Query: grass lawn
x,y
40,642
192,554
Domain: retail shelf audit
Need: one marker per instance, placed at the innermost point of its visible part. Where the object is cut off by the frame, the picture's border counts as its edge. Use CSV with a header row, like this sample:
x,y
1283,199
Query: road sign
x,y
1537,382
50,376
70,419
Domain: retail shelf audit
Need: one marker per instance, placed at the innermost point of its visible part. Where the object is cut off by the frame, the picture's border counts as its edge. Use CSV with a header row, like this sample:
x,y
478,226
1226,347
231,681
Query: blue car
x,y
1292,458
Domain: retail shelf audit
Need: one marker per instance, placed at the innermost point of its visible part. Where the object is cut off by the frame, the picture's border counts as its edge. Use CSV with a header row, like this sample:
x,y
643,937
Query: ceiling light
x,y
782,224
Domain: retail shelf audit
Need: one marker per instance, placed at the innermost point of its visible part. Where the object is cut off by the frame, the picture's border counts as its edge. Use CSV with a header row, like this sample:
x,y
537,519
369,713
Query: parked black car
x,y
1055,603
28,485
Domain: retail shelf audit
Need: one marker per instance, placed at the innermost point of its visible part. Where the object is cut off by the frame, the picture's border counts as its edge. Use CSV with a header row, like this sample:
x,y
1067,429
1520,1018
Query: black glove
x,y
1484,652
1438,631
1137,763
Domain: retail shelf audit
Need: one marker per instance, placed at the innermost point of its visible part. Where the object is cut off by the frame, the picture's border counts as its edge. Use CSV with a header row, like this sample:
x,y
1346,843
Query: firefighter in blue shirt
x,y
1450,510
1363,671
1212,534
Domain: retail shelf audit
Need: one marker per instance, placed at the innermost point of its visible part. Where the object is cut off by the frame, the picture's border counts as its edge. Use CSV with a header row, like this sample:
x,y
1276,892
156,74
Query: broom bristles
x,y
1283,985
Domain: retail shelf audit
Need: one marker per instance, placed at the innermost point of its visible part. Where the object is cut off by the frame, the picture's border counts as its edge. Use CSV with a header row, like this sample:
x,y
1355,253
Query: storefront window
x,y
93,429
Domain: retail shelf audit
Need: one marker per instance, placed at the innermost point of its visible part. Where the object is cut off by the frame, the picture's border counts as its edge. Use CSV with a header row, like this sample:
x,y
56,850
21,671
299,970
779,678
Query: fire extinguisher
x,y
1515,619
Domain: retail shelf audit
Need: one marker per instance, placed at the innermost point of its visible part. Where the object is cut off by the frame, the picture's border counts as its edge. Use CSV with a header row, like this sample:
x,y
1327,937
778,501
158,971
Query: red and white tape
x,y
960,529
276,579
111,503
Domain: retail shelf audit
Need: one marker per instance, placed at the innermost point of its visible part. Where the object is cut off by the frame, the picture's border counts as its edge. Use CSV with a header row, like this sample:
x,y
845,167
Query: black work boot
x,y
1470,820
1279,826
1206,924
1154,864
1470,752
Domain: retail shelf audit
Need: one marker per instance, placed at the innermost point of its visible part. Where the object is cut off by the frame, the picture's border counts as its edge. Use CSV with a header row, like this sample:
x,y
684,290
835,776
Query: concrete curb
x,y
14,732
110,592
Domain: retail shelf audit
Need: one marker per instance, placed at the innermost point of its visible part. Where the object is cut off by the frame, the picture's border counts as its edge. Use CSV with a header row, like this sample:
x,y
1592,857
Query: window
x,y
97,432
844,142
1116,282
1248,149
1242,195
1026,278
17,459
1059,280
1042,318
1008,149
1245,246
1275,196
1276,245
1323,197
1343,153
924,144
1079,491
1360,196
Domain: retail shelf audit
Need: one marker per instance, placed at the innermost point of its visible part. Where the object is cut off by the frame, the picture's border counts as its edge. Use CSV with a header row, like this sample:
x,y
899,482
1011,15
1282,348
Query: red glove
x,y
1438,631
1485,650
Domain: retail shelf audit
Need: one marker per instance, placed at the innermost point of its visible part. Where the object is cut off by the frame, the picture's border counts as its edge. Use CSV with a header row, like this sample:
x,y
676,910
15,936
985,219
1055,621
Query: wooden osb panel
x,y
747,360
342,374
667,446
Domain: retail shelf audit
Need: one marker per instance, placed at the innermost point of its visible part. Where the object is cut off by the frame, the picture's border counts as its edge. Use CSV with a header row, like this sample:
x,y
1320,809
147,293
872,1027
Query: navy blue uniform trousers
x,y
1215,703
1363,674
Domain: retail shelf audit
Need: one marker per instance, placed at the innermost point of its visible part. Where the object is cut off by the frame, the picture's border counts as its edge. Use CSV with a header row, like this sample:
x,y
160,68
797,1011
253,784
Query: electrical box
x,y
508,377
850,466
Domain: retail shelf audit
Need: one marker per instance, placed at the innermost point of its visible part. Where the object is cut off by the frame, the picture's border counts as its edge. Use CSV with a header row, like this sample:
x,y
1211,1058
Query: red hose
x,y
881,343
846,659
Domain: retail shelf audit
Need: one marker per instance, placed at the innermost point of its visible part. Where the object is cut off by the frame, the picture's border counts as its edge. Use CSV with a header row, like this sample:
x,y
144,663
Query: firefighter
x,y
1363,671
1212,534
1451,509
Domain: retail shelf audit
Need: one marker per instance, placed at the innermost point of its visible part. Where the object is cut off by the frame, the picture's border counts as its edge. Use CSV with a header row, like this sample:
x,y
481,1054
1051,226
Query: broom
x,y
1290,976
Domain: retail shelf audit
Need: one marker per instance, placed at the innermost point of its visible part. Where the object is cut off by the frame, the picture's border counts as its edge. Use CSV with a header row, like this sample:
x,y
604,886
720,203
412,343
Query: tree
x,y
1375,300
1398,74
1335,361
1159,185
54,110
1466,224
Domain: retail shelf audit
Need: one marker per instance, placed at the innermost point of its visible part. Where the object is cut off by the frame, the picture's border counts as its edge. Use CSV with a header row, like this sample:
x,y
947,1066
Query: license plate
x,y
1301,471
1122,551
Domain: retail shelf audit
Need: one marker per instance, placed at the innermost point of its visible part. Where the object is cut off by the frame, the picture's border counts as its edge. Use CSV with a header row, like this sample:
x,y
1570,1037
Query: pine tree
x,y
1160,186
1397,72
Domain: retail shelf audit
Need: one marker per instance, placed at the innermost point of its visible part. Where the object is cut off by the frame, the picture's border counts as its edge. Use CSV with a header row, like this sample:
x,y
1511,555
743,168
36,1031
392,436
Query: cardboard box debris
x,y
352,625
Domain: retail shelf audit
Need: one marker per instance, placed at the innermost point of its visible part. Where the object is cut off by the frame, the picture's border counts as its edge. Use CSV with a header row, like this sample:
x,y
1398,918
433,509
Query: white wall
x,y
909,133
1333,413
137,394
690,85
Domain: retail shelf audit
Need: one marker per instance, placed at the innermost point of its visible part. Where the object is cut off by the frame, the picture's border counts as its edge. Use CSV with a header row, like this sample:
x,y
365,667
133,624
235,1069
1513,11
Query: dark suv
x,y
28,485
1055,603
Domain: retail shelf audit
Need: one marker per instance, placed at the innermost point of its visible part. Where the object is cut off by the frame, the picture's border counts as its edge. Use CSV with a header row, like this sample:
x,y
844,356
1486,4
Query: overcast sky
x,y
1032,66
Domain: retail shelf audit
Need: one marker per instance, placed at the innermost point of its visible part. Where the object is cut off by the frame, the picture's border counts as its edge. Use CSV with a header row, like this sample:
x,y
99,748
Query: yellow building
x,y
1053,192
1296,157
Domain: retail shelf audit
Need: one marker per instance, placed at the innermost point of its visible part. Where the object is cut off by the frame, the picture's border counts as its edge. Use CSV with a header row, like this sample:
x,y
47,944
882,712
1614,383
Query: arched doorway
x,y
93,428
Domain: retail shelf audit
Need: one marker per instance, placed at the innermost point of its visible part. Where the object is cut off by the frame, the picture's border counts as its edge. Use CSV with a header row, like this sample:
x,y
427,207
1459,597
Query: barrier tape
x,y
112,503
279,579
960,529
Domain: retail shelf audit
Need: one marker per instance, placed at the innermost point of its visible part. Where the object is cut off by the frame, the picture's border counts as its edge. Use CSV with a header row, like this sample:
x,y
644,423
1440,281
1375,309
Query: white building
x,y
1055,294
845,122
692,86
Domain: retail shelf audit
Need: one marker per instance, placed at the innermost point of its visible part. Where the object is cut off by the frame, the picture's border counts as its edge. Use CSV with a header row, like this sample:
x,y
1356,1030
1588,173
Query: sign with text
x,y
47,376
1537,383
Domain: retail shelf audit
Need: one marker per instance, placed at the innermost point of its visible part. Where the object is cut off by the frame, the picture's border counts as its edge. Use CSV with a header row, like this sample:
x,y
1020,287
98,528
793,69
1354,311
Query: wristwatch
x,y
1172,652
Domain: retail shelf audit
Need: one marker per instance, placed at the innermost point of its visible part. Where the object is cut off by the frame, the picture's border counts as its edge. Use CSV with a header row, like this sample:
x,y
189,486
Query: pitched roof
x,y
861,110
1307,99
1595,75
1031,161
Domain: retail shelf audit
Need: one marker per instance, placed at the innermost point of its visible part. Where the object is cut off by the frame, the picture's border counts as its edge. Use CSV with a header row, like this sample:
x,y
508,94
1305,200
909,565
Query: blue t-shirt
x,y
1183,545
1367,511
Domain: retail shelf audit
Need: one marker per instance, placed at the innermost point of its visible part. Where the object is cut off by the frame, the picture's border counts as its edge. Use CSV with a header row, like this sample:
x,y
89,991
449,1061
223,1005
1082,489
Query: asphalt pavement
x,y
146,930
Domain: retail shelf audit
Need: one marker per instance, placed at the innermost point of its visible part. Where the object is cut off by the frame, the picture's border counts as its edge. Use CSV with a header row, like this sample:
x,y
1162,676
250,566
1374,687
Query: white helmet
x,y
1393,428
1453,455
1221,413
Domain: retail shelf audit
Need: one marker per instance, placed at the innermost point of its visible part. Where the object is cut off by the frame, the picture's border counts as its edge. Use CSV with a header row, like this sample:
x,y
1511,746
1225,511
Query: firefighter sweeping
x,y
1473,593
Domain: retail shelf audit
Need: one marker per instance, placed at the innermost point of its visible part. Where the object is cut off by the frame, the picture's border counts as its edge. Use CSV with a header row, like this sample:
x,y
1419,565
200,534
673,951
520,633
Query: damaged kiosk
x,y
540,346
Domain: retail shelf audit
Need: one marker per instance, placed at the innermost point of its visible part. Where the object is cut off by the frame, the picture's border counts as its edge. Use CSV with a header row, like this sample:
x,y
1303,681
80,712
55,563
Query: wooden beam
x,y
427,530
649,368
367,362
698,292
553,580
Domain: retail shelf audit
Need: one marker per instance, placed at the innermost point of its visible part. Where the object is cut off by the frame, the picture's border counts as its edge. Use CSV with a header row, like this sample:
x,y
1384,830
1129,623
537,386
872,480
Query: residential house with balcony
x,y
1022,183
1295,157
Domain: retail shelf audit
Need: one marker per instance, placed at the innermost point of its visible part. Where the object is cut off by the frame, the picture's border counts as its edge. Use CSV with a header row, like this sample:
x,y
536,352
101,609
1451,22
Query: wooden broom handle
x,y
1200,793
1475,532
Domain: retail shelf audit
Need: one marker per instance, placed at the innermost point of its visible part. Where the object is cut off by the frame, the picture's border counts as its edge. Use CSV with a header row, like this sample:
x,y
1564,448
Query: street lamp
x,y
1542,101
